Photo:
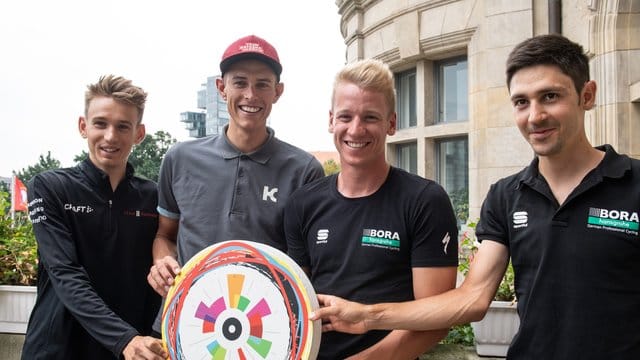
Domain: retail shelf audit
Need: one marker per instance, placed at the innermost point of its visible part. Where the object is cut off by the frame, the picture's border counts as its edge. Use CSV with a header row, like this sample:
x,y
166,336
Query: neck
x,y
564,172
247,141
356,182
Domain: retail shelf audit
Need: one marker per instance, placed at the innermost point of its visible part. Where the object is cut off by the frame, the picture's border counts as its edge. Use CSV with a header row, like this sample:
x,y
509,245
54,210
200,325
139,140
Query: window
x,y
452,92
452,172
406,98
408,157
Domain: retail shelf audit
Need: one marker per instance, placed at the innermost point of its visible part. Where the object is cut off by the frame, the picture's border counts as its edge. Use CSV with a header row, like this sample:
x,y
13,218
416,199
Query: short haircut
x,y
554,50
368,74
119,89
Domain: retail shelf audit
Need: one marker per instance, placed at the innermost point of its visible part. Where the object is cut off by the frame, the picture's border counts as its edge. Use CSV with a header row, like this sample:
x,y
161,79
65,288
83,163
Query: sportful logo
x,y
381,238
520,219
614,220
322,236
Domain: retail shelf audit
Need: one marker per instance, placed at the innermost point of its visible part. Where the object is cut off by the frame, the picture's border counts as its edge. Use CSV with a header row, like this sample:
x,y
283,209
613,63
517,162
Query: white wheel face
x,y
241,300
231,310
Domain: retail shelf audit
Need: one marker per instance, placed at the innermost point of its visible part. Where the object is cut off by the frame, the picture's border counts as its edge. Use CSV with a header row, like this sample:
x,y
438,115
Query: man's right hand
x,y
162,274
144,348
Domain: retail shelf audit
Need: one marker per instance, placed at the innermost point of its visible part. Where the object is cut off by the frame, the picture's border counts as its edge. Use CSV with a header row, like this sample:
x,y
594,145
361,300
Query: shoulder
x,y
413,184
315,187
291,151
55,177
143,184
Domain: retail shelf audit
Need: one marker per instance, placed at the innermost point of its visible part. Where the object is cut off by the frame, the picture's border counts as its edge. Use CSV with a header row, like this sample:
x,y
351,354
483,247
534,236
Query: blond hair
x,y
368,74
119,89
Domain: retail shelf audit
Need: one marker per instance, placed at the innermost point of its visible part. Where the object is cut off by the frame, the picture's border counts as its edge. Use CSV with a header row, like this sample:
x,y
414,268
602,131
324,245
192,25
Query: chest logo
x,y
614,220
520,219
322,236
85,209
269,194
381,238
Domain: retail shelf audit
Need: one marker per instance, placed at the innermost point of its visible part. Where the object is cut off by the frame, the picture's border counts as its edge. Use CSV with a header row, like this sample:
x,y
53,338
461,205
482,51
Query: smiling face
x,y
360,121
111,129
250,88
548,110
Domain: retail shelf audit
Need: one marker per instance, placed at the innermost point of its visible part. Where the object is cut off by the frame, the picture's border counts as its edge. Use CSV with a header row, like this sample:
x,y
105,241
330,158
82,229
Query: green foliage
x,y
18,250
460,200
460,334
44,163
330,167
147,156
467,248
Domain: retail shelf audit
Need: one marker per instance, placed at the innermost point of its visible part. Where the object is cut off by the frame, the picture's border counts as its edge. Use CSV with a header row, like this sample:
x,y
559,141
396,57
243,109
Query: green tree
x,y
145,157
44,163
330,167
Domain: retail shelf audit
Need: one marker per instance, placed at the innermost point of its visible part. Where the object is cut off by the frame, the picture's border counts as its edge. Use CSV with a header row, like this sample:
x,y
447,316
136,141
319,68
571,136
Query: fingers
x,y
162,273
144,348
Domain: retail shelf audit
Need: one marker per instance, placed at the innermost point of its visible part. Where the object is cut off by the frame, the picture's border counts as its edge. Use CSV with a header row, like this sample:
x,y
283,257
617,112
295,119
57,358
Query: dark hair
x,y
550,49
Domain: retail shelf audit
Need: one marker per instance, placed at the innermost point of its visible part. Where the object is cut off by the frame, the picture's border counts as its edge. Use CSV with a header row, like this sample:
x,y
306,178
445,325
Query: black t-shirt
x,y
363,249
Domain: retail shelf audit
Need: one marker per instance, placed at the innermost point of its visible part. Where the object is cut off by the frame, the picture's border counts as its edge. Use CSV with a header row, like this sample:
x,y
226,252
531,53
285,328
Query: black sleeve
x,y
293,232
57,254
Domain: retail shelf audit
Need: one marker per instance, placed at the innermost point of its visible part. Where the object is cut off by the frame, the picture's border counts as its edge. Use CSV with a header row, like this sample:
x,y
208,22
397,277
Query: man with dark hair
x,y
569,222
95,224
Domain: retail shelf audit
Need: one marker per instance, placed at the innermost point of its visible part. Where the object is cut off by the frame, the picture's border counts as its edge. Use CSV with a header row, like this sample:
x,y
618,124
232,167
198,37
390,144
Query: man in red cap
x,y
233,185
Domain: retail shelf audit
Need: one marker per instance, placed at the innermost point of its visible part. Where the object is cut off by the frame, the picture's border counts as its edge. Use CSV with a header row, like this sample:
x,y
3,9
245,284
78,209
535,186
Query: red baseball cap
x,y
251,47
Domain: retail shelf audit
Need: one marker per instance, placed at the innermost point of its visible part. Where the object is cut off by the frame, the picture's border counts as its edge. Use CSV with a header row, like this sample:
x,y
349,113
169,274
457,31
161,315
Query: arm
x,y
165,266
406,344
467,303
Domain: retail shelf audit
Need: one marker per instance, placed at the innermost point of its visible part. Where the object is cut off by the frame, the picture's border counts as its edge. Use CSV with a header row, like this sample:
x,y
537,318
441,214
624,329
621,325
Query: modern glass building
x,y
212,115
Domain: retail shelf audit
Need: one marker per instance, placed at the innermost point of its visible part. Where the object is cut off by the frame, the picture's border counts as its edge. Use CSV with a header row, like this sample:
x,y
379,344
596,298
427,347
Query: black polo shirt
x,y
577,265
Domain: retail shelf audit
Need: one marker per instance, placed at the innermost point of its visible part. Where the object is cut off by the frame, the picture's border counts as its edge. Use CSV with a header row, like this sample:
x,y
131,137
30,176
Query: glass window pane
x,y
452,91
453,173
408,157
406,99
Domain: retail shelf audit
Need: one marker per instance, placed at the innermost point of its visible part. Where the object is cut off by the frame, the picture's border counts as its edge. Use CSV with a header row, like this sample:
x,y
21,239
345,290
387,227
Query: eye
x,y
100,124
519,103
550,97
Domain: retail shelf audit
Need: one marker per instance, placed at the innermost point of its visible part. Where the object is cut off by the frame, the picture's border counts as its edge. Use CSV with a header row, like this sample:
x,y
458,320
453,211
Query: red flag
x,y
18,195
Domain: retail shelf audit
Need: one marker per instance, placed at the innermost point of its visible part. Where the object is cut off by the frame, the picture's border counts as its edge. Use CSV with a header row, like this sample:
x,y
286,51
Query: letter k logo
x,y
269,194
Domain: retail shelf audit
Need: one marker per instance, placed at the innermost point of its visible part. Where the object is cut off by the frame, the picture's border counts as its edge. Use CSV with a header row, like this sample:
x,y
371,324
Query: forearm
x,y
436,312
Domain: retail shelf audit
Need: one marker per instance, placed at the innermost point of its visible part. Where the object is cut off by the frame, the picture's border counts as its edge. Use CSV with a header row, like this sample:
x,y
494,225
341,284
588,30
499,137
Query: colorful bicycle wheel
x,y
241,300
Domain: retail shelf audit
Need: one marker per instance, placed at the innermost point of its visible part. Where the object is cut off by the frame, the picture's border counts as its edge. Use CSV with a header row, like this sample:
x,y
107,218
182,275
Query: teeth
x,y
109,150
251,109
356,144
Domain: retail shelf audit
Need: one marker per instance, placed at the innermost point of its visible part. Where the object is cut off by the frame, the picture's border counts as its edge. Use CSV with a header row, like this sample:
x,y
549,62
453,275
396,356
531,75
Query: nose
x,y
356,125
536,112
110,133
249,92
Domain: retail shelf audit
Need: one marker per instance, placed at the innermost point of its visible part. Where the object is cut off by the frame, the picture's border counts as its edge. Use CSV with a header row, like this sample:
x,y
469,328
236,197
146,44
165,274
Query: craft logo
x,y
322,236
381,238
85,209
520,219
614,220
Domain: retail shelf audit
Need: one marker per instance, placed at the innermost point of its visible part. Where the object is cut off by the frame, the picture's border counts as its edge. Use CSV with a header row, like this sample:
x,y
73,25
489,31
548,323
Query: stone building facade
x,y
455,118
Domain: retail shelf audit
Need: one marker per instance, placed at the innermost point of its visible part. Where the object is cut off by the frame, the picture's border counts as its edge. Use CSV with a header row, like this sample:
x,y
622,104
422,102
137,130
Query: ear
x,y
140,133
279,91
331,121
220,87
82,127
393,122
588,95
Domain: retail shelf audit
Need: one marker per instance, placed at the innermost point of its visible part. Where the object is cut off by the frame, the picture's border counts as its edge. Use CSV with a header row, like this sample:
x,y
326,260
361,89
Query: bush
x,y
18,250
467,248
